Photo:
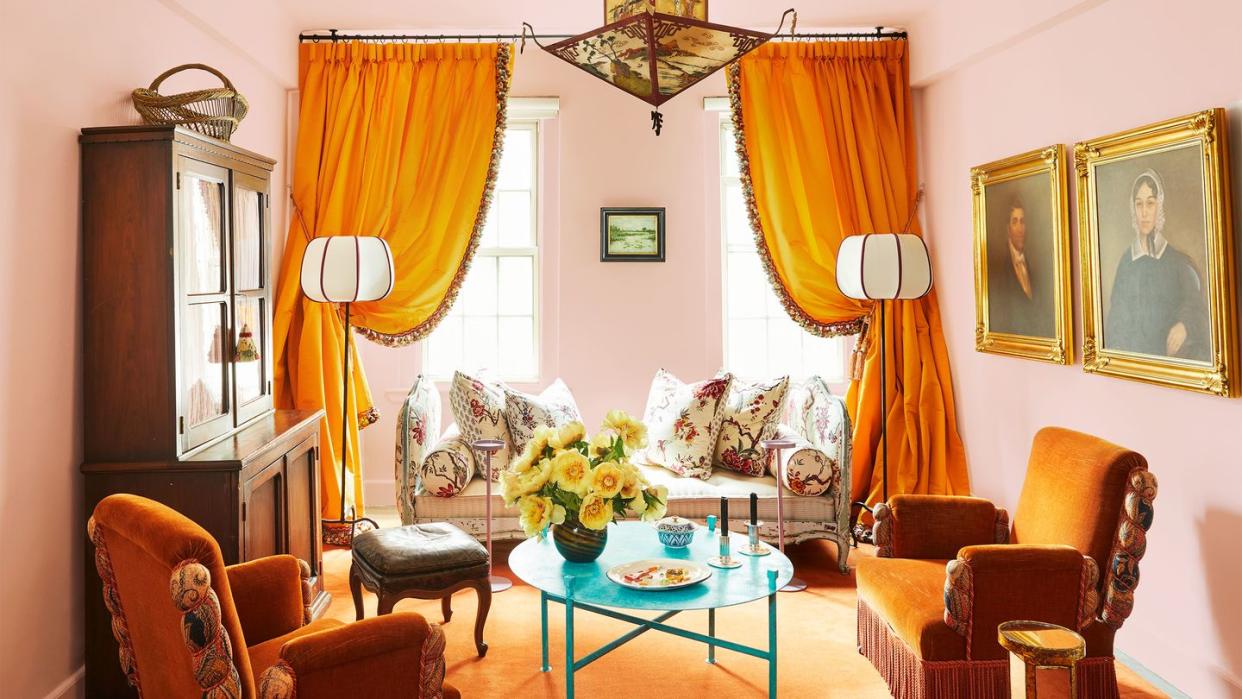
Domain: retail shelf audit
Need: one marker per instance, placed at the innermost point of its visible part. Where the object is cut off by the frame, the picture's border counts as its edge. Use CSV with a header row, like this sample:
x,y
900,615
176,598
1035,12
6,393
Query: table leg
x,y
569,637
543,617
772,645
711,631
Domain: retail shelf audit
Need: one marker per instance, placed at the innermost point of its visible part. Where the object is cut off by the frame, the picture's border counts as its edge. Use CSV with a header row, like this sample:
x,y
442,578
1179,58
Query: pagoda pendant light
x,y
655,49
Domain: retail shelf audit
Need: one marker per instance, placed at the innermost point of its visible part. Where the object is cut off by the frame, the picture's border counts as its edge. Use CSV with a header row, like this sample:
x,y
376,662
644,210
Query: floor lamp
x,y
883,267
346,269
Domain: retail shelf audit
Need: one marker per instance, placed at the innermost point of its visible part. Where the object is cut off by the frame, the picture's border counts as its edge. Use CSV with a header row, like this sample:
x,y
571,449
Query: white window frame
x,y
526,120
845,344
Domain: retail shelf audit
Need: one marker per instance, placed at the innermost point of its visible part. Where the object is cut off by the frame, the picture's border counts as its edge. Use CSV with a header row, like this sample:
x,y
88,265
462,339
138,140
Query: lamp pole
x,y
348,520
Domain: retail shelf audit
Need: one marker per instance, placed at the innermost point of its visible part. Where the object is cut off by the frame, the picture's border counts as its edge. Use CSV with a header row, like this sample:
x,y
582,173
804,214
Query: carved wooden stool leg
x,y
446,606
386,603
484,588
355,589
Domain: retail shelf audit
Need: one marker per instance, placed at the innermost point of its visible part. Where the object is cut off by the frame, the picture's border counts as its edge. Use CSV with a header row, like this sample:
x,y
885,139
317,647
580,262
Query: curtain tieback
x,y
861,346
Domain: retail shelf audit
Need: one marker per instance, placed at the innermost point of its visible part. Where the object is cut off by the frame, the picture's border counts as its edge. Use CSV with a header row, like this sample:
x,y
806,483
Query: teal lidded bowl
x,y
675,532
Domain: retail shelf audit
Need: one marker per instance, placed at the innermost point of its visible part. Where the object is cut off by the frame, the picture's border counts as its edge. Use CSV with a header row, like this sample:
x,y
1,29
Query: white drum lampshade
x,y
884,266
347,269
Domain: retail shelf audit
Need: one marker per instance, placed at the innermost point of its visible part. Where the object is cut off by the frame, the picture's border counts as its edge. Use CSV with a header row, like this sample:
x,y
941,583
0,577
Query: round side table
x,y
1033,645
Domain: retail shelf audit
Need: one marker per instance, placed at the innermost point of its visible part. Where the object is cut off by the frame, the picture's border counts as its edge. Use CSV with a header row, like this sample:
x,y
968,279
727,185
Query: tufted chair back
x,y
165,585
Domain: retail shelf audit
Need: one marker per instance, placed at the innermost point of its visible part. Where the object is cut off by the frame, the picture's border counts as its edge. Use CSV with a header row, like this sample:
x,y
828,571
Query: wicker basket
x,y
215,112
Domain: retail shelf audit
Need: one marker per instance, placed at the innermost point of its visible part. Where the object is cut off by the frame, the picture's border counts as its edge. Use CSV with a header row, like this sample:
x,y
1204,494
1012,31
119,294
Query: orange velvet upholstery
x,y
929,625
268,595
182,620
935,526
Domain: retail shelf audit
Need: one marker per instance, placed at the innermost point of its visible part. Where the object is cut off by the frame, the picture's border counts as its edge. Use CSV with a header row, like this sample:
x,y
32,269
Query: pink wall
x,y
1100,68
600,151
65,65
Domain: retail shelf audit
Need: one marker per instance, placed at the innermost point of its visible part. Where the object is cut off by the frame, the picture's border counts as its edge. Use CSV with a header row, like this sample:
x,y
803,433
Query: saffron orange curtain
x,y
401,141
826,139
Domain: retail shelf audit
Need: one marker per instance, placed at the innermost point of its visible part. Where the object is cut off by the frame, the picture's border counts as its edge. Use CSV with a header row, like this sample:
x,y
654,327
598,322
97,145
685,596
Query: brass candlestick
x,y
725,559
754,547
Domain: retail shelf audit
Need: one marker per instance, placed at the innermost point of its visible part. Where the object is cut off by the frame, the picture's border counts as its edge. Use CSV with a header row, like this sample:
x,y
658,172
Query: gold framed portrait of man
x,y
1156,242
1022,256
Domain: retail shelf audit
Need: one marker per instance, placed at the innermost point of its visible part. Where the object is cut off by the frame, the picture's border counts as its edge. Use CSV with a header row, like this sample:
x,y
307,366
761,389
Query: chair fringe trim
x,y
910,677
112,600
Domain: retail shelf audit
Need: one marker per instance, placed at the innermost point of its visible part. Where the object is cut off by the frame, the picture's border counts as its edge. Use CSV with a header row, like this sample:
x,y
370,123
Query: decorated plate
x,y
658,574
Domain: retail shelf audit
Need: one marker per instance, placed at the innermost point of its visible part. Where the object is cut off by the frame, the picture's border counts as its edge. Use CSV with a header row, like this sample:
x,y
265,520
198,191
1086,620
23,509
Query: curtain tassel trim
x,y
796,313
423,329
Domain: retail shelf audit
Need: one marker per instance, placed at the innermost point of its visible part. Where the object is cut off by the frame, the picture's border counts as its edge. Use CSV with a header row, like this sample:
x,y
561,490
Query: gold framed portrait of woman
x,y
1156,242
1022,256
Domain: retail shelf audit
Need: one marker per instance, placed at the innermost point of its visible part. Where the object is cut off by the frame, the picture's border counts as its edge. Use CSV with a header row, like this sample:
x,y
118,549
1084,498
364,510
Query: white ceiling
x,y
575,16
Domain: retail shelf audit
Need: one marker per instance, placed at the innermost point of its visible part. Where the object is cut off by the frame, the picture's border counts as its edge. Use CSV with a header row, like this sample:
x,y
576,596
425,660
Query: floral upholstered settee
x,y
703,445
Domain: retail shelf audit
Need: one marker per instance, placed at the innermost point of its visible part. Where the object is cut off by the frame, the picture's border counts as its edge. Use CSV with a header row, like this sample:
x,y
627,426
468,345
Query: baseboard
x,y
73,686
1143,671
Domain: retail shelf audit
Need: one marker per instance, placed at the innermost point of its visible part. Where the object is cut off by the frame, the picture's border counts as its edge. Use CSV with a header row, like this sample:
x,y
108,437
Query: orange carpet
x,y
817,656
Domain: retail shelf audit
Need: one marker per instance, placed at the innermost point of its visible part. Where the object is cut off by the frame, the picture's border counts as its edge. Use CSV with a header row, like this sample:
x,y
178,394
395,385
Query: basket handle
x,y
188,66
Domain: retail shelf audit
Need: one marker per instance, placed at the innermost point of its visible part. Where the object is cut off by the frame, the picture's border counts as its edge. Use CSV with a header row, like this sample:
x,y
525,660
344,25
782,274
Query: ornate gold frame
x,y
1208,129
1050,161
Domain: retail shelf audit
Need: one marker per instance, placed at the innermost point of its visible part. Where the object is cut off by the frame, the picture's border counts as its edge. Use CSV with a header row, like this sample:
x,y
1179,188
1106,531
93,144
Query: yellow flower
x,y
631,481
600,444
595,512
515,484
539,441
567,436
523,462
656,510
631,431
638,504
607,479
571,471
538,512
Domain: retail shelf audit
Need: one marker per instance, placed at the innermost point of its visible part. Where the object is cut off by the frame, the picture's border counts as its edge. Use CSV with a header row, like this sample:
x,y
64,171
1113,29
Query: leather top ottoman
x,y
424,561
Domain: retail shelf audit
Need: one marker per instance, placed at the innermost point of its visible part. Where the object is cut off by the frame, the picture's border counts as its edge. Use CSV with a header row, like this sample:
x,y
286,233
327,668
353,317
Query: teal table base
x,y
645,625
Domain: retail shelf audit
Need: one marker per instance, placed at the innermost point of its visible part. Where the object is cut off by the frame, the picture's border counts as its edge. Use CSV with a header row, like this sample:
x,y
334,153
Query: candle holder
x,y
774,446
498,583
754,547
725,559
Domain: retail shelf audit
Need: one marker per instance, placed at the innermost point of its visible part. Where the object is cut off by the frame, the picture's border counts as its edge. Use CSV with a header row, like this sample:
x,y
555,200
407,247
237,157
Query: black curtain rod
x,y
334,36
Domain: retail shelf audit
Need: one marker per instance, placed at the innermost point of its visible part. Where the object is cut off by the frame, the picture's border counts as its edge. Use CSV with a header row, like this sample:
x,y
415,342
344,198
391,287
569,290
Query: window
x,y
760,338
494,323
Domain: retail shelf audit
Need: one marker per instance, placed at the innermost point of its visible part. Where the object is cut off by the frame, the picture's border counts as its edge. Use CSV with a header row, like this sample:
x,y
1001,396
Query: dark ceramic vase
x,y
577,543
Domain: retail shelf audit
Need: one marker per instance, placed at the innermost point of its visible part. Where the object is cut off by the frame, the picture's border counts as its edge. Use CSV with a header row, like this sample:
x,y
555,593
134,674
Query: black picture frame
x,y
608,247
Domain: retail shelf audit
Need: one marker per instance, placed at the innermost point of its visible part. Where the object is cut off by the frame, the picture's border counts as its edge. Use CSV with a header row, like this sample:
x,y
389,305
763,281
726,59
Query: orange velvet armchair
x,y
949,570
224,626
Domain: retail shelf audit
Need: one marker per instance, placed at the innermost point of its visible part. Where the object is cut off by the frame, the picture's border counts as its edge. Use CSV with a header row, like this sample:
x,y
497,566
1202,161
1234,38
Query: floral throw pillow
x,y
751,414
683,421
479,410
417,425
553,407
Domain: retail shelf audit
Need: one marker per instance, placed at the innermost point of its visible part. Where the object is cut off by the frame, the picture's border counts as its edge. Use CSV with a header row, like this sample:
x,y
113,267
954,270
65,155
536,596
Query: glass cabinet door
x,y
205,398
251,298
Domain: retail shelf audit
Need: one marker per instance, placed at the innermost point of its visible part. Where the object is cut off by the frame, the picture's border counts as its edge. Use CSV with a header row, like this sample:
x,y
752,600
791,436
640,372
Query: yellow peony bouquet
x,y
564,476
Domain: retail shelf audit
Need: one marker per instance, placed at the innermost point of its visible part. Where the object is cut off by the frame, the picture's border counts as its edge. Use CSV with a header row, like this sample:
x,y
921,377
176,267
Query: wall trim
x,y
65,688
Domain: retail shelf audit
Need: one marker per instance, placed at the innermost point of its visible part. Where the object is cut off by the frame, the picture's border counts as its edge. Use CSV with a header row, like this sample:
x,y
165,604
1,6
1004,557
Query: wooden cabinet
x,y
177,357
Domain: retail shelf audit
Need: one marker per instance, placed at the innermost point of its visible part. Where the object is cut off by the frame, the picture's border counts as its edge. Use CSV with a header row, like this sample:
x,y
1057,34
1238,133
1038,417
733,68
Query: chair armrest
x,y
936,526
378,658
988,585
268,595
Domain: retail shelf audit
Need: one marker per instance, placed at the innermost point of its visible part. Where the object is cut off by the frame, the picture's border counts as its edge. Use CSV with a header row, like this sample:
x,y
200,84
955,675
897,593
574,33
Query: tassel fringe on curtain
x,y
826,148
401,141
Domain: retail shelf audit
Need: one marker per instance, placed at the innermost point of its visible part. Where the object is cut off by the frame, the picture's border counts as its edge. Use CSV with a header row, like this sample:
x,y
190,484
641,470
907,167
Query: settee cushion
x,y
524,412
683,421
479,411
417,427
751,414
447,468
691,498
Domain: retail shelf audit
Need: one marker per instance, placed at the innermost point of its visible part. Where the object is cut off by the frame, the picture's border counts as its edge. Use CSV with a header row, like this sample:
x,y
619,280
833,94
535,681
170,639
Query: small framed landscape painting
x,y
1022,256
631,235
1156,240
617,10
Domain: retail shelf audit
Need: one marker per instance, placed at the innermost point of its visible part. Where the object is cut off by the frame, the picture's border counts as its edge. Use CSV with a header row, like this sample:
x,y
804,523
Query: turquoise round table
x,y
586,586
